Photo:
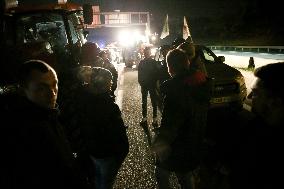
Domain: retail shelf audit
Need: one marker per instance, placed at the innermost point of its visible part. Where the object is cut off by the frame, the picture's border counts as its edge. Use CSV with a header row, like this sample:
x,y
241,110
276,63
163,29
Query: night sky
x,y
256,20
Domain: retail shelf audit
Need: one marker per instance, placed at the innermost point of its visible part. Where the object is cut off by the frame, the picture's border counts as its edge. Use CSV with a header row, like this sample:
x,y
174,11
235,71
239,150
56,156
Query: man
x,y
260,159
35,152
90,55
266,94
178,143
195,60
102,128
109,66
147,78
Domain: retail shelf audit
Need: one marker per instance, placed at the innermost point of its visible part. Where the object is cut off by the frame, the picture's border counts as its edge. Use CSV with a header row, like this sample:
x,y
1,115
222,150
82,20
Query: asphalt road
x,y
138,170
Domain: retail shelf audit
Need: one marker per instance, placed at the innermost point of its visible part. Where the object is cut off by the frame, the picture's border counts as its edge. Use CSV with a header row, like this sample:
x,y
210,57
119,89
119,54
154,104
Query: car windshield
x,y
40,27
76,27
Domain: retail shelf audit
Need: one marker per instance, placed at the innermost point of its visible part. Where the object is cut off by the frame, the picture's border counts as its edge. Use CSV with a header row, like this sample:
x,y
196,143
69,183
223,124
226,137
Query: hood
x,y
221,71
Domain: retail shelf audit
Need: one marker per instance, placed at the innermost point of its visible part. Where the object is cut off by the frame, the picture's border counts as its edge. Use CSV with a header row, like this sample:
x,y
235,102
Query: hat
x,y
89,52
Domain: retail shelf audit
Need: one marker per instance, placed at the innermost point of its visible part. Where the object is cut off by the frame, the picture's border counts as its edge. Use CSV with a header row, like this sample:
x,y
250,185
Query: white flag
x,y
166,30
185,29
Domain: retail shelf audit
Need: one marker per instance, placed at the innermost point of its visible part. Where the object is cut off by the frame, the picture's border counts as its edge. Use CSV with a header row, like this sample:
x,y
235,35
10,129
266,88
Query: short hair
x,y
189,49
177,61
272,77
100,78
24,73
83,73
89,52
147,49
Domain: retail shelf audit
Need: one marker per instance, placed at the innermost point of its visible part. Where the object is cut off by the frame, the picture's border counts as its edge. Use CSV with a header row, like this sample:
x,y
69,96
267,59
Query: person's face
x,y
259,97
42,88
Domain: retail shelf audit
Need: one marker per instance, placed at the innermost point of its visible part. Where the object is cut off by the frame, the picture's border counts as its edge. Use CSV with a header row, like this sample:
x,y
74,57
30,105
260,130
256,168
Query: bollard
x,y
251,64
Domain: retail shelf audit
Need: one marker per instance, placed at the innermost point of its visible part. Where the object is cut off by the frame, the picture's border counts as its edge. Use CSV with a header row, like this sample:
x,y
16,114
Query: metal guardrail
x,y
259,49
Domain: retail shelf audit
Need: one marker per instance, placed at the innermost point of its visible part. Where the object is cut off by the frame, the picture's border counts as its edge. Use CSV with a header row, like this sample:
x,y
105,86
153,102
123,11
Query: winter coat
x,y
183,121
34,150
109,66
102,128
148,73
258,156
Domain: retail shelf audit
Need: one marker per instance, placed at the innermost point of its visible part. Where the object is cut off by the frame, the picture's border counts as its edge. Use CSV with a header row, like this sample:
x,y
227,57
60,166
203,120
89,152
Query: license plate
x,y
220,100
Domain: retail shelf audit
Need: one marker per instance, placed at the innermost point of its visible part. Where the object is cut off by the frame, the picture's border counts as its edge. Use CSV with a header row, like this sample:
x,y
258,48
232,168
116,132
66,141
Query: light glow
x,y
128,38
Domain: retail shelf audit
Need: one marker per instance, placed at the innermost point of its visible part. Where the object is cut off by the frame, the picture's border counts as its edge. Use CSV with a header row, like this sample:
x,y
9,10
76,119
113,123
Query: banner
x,y
185,29
165,31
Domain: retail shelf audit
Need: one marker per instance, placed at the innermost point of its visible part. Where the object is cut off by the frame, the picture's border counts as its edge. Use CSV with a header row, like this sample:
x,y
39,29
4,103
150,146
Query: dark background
x,y
218,22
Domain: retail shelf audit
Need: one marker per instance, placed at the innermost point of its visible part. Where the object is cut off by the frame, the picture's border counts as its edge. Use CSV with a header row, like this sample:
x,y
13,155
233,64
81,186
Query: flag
x,y
166,30
185,29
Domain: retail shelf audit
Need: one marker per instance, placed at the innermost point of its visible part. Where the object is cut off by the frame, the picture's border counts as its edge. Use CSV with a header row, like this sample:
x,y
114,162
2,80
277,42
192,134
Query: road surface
x,y
137,171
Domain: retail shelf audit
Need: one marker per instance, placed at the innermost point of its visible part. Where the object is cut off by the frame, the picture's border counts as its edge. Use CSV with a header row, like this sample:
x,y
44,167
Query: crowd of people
x,y
84,143
247,153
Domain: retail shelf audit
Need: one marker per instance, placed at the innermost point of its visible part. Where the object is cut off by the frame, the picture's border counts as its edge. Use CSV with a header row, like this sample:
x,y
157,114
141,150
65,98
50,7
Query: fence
x,y
259,49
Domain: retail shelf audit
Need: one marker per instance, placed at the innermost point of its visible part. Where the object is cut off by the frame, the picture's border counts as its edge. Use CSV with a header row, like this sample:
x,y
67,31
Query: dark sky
x,y
207,17
190,8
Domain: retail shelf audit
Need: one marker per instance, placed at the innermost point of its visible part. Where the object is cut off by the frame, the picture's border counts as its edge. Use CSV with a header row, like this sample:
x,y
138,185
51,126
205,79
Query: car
x,y
228,84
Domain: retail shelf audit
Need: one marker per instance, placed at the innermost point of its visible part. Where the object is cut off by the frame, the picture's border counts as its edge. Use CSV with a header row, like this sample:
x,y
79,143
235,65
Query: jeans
x,y
105,171
153,97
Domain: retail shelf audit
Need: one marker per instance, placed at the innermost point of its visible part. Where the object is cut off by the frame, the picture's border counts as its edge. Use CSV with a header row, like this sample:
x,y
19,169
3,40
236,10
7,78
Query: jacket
x,y
184,121
102,127
148,72
35,152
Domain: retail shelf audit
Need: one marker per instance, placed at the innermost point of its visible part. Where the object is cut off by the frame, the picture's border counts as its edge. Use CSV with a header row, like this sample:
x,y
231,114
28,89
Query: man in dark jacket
x,y
147,78
102,128
179,141
259,161
110,67
34,151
